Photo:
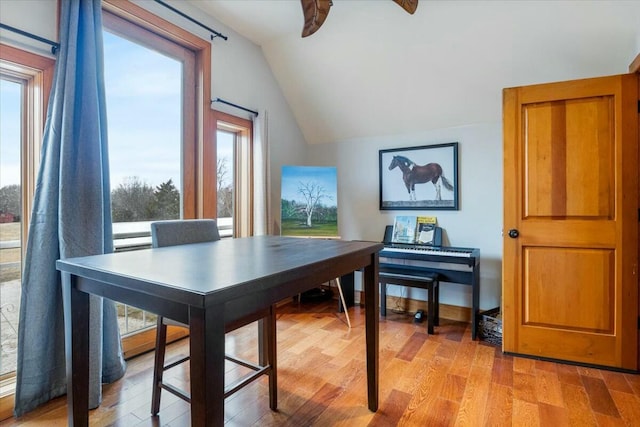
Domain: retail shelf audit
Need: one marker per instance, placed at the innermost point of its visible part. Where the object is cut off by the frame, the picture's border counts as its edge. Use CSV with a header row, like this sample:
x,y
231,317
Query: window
x,y
11,102
156,118
11,91
145,150
234,159
25,83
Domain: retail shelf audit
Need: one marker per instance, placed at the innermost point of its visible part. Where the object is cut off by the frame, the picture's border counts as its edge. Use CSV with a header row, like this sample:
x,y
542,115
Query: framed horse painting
x,y
419,178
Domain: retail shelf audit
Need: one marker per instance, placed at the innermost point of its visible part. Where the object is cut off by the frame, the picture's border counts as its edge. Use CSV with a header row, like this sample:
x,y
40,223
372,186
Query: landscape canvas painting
x,y
309,201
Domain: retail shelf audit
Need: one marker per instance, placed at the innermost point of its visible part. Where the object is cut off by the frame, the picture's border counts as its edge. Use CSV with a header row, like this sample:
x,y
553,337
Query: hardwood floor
x,y
425,380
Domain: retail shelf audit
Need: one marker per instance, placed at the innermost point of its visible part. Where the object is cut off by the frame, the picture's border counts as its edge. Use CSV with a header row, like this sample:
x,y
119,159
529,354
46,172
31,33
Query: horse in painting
x,y
413,174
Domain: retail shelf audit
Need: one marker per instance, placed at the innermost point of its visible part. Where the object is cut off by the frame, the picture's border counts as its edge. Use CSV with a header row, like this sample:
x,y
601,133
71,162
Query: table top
x,y
226,269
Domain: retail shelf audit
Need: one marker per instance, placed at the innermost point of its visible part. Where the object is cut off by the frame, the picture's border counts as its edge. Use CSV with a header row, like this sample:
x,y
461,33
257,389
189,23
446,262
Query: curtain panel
x,y
71,217
261,175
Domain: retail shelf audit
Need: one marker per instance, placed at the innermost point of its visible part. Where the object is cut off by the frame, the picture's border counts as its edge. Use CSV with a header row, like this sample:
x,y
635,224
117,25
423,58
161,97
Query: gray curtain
x,y
71,217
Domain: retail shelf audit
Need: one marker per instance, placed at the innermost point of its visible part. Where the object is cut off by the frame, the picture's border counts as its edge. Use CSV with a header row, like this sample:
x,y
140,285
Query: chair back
x,y
183,231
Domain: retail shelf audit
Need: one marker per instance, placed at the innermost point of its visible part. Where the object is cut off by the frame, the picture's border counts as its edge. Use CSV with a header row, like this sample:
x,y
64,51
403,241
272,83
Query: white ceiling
x,y
374,70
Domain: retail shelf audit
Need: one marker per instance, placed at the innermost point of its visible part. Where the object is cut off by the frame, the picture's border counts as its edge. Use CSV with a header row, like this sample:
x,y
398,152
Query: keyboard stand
x,y
428,281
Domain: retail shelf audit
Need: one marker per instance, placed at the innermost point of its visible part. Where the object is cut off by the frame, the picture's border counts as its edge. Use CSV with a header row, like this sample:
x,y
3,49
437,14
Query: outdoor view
x,y
10,212
144,111
145,140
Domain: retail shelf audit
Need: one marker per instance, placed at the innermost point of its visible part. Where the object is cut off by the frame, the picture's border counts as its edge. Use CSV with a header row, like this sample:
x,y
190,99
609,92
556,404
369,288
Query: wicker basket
x,y
490,326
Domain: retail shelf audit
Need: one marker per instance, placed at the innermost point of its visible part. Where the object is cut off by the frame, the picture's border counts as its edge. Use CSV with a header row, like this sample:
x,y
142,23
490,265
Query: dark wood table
x,y
209,285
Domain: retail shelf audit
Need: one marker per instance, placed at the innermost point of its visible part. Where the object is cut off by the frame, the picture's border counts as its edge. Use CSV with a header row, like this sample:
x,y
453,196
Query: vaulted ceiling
x,y
374,70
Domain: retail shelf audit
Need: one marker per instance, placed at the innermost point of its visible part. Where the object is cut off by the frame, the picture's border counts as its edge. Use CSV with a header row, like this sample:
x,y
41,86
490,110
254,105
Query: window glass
x,y
11,122
233,156
144,115
145,125
225,172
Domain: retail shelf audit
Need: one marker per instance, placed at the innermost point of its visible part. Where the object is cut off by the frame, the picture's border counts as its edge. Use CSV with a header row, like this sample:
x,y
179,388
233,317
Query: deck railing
x,y
131,236
127,236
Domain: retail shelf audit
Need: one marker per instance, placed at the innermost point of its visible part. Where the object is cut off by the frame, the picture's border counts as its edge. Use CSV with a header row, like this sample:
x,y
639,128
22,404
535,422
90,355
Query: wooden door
x,y
570,280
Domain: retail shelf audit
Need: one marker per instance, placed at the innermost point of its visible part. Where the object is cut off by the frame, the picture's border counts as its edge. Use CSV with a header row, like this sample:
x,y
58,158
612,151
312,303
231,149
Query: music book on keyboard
x,y
411,229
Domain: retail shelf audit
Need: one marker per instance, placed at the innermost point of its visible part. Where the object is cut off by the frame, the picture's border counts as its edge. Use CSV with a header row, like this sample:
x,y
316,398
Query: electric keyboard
x,y
438,254
429,250
451,264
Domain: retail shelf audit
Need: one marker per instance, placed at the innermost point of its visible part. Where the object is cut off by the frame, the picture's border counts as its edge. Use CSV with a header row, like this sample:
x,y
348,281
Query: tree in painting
x,y
312,193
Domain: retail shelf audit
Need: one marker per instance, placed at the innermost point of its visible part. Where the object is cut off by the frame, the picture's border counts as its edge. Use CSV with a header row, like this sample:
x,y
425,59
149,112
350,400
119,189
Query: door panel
x,y
556,132
568,307
570,285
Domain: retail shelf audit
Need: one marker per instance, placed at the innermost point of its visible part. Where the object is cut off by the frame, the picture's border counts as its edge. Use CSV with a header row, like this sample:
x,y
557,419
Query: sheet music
x,y
425,236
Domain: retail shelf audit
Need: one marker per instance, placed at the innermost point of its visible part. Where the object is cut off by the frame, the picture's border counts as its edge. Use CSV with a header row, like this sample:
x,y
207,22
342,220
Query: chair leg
x,y
158,366
263,333
344,304
267,353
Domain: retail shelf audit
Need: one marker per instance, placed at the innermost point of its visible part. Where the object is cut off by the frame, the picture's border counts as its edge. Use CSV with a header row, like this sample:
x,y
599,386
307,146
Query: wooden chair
x,y
180,232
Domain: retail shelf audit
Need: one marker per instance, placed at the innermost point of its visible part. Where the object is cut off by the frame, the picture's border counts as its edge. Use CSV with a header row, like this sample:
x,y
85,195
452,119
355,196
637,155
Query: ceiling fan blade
x,y
315,12
408,5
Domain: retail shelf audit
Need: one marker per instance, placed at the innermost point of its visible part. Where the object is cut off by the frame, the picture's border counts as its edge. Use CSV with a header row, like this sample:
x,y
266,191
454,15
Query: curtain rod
x,y
234,105
54,46
184,15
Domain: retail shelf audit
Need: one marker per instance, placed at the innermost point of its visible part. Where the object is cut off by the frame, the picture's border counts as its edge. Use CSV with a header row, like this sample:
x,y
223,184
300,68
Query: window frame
x,y
193,165
38,71
133,21
36,74
242,170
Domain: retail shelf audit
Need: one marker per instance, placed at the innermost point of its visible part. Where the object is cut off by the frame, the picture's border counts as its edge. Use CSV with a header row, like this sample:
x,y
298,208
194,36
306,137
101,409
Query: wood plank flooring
x,y
425,380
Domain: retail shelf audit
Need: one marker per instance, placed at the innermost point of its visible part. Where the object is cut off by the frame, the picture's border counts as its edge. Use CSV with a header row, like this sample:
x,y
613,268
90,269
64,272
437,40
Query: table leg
x,y
206,346
371,300
76,325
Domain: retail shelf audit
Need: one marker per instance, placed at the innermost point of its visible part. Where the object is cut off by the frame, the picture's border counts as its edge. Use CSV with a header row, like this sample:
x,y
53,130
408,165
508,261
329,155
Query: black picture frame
x,y
407,177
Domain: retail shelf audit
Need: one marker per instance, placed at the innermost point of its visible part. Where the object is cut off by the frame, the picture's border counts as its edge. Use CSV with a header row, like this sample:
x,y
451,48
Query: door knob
x,y
513,233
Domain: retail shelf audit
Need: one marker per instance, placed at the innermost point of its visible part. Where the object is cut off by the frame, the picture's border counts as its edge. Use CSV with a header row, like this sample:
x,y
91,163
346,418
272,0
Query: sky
x,y
143,90
326,177
9,133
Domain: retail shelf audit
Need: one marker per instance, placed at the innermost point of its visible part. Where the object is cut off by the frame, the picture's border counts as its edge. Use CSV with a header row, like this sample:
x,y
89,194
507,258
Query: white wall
x,y
34,16
476,224
373,70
